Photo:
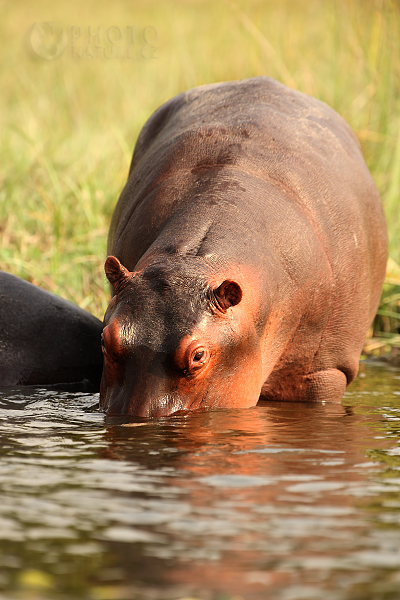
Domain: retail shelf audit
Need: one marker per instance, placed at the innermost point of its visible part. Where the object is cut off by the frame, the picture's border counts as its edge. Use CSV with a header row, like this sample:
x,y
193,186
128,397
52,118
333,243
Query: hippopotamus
x,y
246,257
45,339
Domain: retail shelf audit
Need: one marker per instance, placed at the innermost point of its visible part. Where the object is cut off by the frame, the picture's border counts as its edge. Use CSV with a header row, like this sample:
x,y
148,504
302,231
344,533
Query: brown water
x,y
279,502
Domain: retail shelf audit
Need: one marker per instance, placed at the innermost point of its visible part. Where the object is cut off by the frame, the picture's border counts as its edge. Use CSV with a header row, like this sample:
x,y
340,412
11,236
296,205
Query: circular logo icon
x,y
48,40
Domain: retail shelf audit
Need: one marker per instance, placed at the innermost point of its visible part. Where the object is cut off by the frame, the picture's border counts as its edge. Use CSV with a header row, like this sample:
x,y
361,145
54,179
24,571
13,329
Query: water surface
x,y
279,502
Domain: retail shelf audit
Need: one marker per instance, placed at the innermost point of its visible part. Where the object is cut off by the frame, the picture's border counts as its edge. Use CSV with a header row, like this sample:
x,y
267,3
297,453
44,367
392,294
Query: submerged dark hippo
x,y
45,339
249,252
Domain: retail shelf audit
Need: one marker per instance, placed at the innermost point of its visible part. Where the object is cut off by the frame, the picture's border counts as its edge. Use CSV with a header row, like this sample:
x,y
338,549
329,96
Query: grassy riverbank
x,y
68,125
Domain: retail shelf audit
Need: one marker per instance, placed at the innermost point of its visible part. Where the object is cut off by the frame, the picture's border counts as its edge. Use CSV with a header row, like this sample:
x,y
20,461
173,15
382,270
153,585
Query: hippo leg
x,y
328,385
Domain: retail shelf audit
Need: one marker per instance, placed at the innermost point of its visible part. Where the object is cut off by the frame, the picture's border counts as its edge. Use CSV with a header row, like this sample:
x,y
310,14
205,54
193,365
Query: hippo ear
x,y
229,293
116,273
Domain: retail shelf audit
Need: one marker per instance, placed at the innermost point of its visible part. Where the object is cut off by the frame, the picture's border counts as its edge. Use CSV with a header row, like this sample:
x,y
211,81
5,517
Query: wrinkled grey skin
x,y
244,180
45,339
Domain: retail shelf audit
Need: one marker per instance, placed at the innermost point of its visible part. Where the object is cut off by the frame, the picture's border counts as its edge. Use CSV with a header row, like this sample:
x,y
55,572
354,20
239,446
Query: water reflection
x,y
284,501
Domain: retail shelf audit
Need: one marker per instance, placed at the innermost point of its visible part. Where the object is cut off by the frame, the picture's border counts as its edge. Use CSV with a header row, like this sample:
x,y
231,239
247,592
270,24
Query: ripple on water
x,y
282,501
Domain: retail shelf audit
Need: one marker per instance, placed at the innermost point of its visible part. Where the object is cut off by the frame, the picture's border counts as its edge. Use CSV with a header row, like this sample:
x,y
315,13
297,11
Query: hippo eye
x,y
109,348
191,356
198,358
104,348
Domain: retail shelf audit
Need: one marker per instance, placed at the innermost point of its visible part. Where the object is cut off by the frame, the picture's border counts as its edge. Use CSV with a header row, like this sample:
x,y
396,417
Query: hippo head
x,y
176,338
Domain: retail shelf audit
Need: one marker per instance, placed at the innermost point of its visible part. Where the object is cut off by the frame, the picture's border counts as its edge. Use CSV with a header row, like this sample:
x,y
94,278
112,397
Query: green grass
x,y
68,126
